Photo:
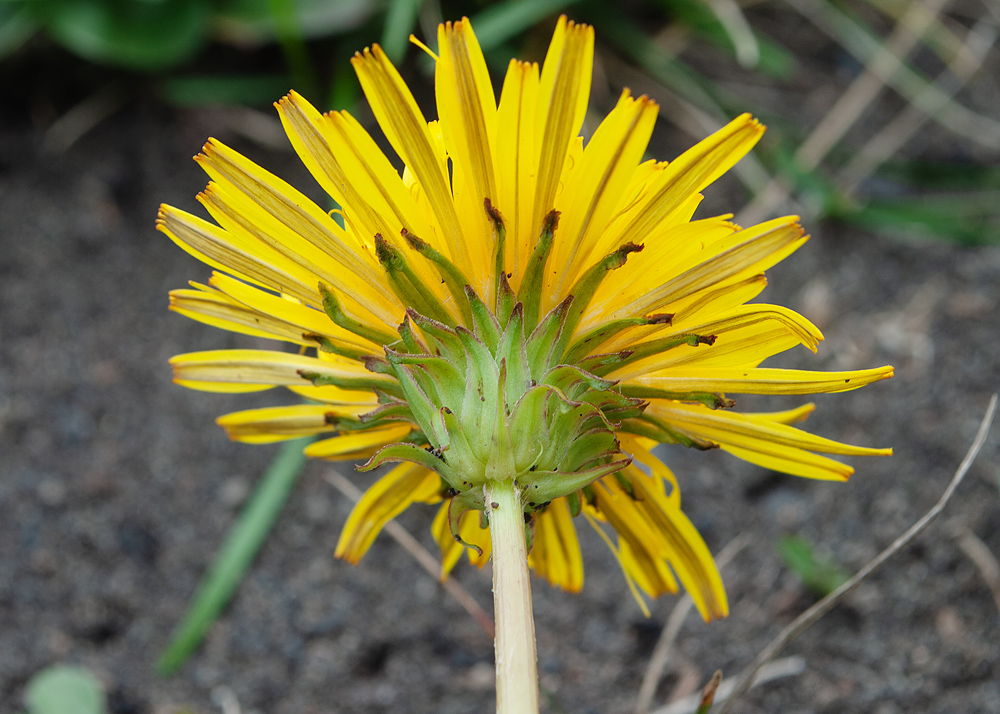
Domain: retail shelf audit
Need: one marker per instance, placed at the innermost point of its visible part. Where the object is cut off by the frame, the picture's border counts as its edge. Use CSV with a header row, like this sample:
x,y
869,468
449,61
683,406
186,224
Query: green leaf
x,y
138,35
820,577
65,690
232,560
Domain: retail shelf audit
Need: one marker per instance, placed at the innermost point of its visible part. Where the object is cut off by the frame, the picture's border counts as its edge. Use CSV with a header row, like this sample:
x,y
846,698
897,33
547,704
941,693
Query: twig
x,y
814,613
427,561
887,142
779,669
664,646
983,559
854,101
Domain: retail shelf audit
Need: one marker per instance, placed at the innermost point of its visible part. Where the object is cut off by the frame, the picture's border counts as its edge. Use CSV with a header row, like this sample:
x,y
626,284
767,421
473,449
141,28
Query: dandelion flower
x,y
517,305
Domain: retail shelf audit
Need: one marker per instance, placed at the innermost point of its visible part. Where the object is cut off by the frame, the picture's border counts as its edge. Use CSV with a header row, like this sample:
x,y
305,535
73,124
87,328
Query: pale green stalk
x,y
516,668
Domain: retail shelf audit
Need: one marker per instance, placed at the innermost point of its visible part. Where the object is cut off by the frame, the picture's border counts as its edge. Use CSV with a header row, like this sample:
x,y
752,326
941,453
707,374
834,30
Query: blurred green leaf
x,y
967,220
293,45
775,60
660,64
812,189
225,90
820,577
236,554
400,18
955,176
64,690
135,34
345,90
503,20
17,25
252,22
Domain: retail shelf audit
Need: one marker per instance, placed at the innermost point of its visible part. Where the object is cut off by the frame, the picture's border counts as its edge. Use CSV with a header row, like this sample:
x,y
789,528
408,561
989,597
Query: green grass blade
x,y
236,554
399,20
288,27
504,20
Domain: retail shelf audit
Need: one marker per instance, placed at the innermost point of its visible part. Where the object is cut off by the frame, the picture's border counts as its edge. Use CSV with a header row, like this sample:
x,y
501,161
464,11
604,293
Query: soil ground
x,y
116,487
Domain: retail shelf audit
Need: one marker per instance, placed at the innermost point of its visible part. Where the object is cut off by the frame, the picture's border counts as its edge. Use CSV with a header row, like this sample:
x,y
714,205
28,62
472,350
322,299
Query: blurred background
x,y
117,491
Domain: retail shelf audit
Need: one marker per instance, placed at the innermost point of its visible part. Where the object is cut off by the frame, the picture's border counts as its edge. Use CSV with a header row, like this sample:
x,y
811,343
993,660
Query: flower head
x,y
516,305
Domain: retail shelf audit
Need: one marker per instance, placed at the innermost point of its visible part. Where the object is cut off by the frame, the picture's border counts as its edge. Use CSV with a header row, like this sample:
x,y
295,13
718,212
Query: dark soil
x,y
116,488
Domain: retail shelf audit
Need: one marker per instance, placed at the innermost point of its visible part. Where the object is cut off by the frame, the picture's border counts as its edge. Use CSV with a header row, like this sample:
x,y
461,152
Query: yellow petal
x,y
681,544
468,530
747,321
765,442
515,169
242,217
760,380
407,130
555,554
354,445
329,394
641,449
263,426
688,174
386,499
273,211
254,262
595,192
261,367
467,112
211,307
641,547
297,318
350,166
756,248
563,95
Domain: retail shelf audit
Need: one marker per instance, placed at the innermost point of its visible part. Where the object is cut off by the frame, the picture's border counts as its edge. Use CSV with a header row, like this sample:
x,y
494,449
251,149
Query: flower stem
x,y
517,671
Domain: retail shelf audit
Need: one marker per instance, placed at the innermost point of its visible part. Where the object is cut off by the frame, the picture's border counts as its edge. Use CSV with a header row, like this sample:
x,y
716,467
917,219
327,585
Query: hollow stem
x,y
517,671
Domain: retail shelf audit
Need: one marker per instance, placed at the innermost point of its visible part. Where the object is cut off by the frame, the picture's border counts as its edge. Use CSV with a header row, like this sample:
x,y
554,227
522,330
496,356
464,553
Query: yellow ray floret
x,y
759,380
387,498
263,426
766,442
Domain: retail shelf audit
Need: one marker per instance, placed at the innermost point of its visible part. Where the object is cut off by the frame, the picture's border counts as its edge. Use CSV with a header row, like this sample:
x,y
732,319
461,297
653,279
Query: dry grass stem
x,y
887,142
814,613
939,36
427,561
665,645
983,559
71,126
924,96
854,101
